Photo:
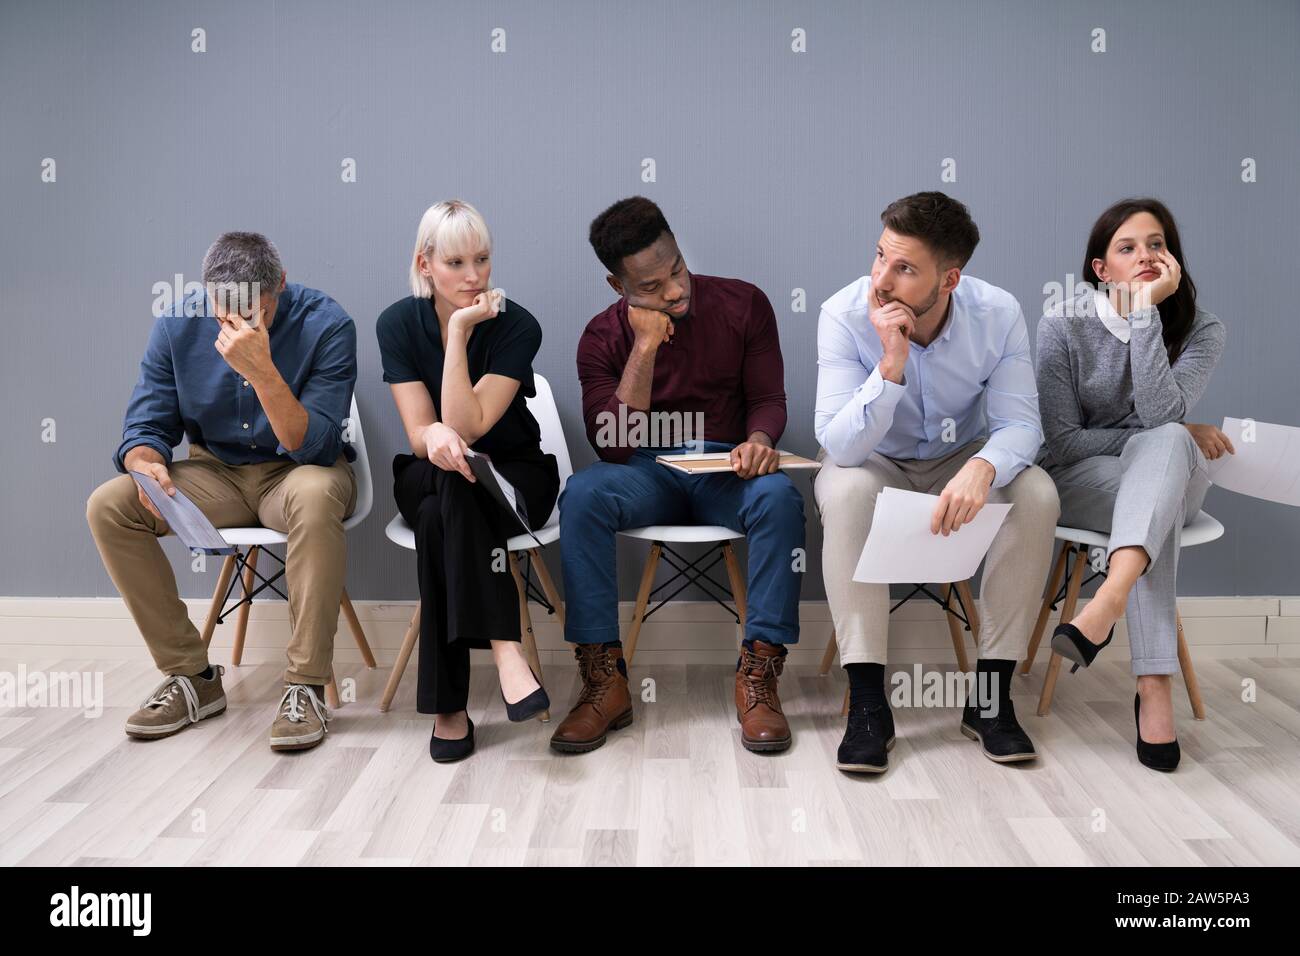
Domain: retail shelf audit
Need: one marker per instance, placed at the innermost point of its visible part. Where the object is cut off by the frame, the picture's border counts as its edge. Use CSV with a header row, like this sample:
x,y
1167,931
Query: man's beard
x,y
918,311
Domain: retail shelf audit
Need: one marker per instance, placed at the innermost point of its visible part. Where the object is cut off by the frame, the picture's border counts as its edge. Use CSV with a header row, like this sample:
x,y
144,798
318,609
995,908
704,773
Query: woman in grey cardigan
x,y
1119,366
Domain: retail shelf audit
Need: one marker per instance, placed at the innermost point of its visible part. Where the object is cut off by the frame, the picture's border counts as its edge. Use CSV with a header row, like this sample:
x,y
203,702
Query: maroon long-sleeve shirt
x,y
724,361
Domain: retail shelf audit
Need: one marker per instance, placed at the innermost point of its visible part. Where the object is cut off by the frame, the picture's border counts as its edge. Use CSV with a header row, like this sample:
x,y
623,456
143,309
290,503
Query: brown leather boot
x,y
604,703
763,726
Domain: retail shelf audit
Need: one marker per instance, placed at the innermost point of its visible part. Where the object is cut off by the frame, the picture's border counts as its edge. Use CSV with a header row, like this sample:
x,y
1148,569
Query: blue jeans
x,y
606,498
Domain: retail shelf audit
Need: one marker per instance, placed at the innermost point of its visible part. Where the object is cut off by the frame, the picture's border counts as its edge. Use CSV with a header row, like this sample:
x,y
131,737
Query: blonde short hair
x,y
448,227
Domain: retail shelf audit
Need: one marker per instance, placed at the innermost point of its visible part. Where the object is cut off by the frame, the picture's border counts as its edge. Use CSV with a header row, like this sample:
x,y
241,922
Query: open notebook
x,y
720,461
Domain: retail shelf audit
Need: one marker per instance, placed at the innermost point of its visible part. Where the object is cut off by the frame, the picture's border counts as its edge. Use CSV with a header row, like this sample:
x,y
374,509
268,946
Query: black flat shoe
x,y
1069,642
1162,757
443,750
532,705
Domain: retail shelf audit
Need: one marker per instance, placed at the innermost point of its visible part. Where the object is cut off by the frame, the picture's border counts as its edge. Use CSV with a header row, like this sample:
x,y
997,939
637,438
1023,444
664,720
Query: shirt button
x,y
245,424
245,383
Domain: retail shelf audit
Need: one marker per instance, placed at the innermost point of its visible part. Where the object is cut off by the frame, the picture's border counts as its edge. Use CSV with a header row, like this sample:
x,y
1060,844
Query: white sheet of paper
x,y
1267,467
901,550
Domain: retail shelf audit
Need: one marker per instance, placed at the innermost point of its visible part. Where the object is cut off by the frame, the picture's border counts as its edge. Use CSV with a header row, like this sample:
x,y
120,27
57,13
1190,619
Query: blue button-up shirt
x,y
981,353
186,387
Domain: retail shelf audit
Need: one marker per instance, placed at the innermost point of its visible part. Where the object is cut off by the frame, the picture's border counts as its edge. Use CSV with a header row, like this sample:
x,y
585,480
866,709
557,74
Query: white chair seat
x,y
1202,529
401,534
683,533
248,537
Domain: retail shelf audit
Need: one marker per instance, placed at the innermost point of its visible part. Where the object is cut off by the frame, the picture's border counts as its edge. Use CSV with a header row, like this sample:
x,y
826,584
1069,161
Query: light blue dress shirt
x,y
975,380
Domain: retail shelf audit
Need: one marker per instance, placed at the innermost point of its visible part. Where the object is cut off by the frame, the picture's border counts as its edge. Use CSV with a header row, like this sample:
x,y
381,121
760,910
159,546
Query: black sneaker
x,y
868,738
1002,737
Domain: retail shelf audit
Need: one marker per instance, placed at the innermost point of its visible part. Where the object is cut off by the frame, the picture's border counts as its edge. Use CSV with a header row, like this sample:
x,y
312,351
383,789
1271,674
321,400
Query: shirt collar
x,y
954,316
1110,318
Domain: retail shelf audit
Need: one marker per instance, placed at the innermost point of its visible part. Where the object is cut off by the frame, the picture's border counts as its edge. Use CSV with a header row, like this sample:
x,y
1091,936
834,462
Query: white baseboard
x,y
696,632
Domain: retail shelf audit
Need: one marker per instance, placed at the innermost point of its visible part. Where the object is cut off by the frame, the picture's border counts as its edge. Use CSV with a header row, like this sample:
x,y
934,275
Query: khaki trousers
x,y
1015,568
305,502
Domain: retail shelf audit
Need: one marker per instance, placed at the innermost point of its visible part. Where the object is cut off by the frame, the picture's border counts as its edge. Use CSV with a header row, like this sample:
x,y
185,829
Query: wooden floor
x,y
675,788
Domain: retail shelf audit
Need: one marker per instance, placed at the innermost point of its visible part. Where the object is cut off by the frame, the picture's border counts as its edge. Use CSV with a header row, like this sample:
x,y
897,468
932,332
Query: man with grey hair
x,y
258,374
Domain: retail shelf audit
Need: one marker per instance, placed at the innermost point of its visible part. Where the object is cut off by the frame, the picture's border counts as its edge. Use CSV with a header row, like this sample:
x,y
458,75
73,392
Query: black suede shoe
x,y
1002,737
868,738
530,706
1069,642
1162,757
443,750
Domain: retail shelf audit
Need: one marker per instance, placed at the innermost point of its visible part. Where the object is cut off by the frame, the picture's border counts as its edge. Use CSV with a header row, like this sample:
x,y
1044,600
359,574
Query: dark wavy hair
x,y
941,222
1179,310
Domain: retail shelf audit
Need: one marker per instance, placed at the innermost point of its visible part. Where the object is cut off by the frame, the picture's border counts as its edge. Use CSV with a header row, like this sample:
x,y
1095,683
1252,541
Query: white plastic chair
x,y
660,538
1073,557
542,406
255,539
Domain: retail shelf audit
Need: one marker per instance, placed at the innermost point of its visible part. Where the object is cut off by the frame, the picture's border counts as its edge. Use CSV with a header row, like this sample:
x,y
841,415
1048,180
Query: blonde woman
x,y
458,357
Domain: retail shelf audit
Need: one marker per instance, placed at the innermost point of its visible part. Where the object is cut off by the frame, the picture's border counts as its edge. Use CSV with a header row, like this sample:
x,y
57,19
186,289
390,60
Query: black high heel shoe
x,y
1068,641
530,706
443,750
1162,757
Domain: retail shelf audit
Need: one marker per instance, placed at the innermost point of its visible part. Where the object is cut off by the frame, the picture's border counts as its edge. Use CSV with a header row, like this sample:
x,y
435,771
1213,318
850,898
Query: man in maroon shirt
x,y
679,363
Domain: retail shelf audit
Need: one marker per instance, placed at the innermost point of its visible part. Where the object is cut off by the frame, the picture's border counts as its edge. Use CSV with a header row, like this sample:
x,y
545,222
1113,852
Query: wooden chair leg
x,y
548,586
828,658
642,598
738,594
972,611
1067,613
218,598
332,693
1189,673
241,622
526,635
403,655
1044,612
354,626
954,631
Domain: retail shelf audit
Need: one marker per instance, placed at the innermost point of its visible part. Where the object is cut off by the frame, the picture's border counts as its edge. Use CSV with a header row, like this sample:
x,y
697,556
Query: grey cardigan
x,y
1095,392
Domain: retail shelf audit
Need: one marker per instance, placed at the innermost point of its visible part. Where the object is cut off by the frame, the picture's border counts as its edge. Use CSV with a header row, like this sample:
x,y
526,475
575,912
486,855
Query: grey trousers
x,y
1014,569
1143,496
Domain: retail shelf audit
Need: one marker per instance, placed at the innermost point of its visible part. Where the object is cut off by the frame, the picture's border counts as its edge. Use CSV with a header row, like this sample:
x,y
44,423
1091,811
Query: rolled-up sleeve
x,y
1011,404
327,397
855,404
153,415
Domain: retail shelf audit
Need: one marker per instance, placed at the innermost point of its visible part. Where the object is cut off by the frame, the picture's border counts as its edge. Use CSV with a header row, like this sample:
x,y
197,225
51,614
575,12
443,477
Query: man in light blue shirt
x,y
925,383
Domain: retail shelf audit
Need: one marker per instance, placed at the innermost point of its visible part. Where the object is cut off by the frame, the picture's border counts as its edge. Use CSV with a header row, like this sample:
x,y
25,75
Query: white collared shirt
x,y
975,379
1113,321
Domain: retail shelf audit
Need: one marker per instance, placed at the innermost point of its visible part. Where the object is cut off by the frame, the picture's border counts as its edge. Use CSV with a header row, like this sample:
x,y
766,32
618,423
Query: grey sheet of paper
x,y
901,550
497,486
1267,467
184,518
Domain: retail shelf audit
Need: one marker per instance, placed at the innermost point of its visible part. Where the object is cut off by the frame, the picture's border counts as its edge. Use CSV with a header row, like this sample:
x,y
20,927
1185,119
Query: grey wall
x,y
772,166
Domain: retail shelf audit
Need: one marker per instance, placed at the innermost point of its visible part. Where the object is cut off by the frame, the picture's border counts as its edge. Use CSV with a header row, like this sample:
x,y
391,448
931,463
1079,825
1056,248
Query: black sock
x,y
206,673
993,685
866,685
